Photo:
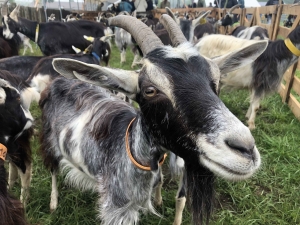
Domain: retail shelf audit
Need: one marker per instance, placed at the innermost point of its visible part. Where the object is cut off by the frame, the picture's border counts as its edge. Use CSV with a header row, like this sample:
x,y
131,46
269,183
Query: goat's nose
x,y
244,148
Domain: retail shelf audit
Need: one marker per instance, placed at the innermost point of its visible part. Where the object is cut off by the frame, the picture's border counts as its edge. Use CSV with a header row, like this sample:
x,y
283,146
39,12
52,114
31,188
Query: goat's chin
x,y
232,172
8,35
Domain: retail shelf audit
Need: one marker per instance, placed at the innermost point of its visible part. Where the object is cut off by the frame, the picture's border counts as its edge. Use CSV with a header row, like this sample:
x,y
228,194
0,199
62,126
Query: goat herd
x,y
104,143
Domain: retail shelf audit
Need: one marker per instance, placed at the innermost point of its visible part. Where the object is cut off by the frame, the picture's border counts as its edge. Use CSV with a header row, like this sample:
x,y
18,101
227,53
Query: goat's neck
x,y
27,27
142,143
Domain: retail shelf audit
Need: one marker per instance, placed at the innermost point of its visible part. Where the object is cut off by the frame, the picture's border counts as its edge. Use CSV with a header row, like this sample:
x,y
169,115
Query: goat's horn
x,y
233,7
171,14
88,49
4,9
106,37
173,29
91,39
196,21
142,34
15,12
77,50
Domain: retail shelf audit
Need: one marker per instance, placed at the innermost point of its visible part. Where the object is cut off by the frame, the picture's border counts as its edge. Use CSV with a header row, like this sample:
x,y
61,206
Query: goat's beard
x,y
200,192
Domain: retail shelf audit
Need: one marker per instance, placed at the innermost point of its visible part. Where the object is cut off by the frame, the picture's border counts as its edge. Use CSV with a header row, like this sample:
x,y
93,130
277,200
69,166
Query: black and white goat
x,y
55,37
10,47
261,77
43,73
251,33
13,123
16,130
123,41
86,130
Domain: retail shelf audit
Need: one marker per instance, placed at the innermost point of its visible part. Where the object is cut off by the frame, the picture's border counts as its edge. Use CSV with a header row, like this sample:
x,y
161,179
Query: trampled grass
x,y
272,196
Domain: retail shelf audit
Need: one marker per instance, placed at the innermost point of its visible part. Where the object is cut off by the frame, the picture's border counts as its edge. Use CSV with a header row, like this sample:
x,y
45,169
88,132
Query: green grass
x,y
272,196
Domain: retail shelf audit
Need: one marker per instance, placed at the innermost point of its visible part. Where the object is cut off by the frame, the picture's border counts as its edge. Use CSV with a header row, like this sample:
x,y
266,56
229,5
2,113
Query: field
x,y
272,196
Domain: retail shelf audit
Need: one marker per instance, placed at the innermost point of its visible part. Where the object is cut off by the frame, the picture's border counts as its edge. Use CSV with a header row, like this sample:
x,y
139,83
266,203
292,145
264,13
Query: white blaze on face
x,y
6,32
2,96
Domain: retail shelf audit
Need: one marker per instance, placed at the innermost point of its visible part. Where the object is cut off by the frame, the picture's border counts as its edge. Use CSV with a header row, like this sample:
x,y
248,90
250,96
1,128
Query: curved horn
x,y
88,38
142,34
172,15
173,29
106,37
233,7
203,16
4,9
77,50
14,13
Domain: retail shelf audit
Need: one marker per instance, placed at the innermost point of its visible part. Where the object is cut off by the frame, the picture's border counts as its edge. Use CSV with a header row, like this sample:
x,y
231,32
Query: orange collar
x,y
3,151
147,168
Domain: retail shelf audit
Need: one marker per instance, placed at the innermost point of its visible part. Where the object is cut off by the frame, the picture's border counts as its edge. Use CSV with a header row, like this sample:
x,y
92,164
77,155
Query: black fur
x,y
11,47
56,37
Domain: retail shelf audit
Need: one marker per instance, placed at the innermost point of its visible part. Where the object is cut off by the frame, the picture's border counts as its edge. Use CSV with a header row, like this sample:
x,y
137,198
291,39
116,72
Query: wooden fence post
x,y
277,23
289,82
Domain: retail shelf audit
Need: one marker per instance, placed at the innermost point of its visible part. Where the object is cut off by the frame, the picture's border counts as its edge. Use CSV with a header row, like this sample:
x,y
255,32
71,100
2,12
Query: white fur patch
x,y
7,33
183,51
2,96
40,82
158,77
220,158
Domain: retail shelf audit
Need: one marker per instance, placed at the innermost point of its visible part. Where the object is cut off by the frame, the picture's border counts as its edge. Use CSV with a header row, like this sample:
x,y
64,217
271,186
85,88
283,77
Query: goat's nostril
x,y
241,147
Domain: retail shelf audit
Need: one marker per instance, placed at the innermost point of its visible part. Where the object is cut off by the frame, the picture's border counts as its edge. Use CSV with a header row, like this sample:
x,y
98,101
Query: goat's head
x,y
177,93
227,19
10,23
187,26
14,117
100,47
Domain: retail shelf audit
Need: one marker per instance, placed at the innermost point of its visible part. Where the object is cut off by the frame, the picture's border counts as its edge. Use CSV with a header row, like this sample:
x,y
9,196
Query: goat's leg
x,y
135,60
30,46
54,192
248,114
157,194
25,49
255,103
180,200
123,56
25,183
13,175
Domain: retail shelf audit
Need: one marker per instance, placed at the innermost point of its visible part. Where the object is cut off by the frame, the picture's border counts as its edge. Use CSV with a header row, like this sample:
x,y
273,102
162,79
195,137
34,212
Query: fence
x,y
269,17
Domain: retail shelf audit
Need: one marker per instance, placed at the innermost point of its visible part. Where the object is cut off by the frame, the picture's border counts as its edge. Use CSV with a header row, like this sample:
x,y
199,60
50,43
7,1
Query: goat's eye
x,y
150,91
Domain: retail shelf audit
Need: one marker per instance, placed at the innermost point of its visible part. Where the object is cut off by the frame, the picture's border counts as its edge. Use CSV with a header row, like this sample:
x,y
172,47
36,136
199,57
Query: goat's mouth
x,y
229,172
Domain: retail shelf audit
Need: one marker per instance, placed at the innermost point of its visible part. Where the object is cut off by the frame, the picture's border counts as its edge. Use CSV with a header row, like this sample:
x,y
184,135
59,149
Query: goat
x,y
10,47
250,33
43,73
16,130
264,75
226,20
123,40
46,34
20,65
26,43
86,129
11,115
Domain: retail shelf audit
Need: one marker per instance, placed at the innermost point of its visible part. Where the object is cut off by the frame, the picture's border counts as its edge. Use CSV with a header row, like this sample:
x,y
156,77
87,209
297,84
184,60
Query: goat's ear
x,y
14,14
114,79
242,57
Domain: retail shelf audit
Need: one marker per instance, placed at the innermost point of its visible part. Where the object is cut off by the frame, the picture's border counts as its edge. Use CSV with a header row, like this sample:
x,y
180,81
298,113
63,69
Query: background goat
x,y
261,77
10,47
170,117
46,34
250,33
15,130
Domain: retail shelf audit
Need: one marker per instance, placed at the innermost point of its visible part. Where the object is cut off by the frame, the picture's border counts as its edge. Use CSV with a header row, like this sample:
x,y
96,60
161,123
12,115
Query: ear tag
x,y
202,21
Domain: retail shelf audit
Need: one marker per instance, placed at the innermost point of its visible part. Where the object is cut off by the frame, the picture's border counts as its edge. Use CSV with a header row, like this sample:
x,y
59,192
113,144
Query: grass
x,y
272,196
